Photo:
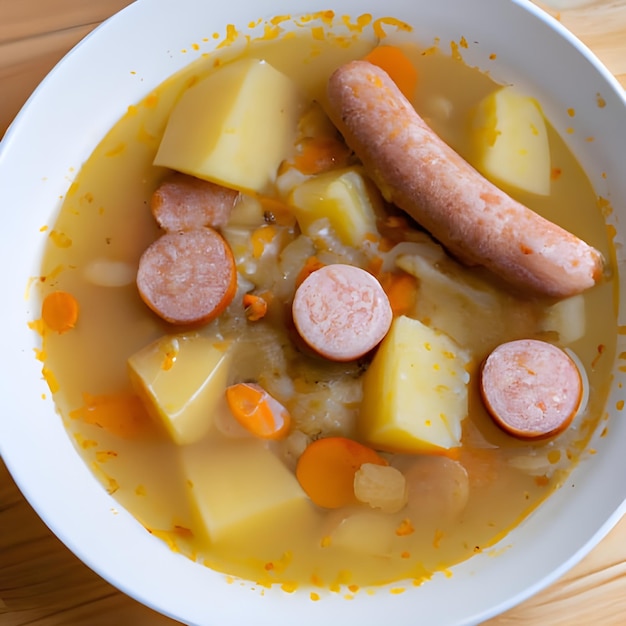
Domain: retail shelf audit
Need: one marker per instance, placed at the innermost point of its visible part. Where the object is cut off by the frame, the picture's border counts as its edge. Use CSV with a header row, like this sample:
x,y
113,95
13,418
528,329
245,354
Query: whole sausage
x,y
531,388
341,311
182,202
421,174
188,277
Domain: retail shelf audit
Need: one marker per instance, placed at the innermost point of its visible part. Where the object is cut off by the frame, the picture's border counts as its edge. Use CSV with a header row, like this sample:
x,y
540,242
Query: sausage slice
x,y
531,388
188,277
341,311
183,202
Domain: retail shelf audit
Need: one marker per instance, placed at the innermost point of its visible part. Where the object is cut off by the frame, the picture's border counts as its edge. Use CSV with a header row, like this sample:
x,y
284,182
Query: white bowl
x,y
60,125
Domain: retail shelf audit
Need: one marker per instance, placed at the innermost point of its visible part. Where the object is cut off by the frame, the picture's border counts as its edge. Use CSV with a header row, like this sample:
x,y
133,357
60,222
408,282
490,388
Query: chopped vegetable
x,y
415,391
381,486
344,197
511,141
401,289
327,468
261,239
121,414
181,379
399,67
567,318
319,154
310,265
255,306
214,134
60,311
238,488
276,212
257,411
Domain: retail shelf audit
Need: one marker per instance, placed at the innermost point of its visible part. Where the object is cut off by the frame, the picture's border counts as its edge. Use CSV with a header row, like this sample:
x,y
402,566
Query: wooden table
x,y
41,581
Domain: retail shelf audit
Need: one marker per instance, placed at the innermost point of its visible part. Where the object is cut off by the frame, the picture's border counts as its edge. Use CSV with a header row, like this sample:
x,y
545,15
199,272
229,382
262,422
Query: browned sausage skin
x,y
473,218
531,388
188,277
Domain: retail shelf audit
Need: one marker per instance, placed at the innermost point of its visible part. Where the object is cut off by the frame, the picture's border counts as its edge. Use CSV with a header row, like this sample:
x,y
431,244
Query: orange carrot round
x,y
327,467
60,311
257,411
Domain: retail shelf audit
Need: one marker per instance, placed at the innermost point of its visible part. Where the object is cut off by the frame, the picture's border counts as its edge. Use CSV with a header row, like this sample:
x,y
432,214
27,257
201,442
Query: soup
x,y
232,501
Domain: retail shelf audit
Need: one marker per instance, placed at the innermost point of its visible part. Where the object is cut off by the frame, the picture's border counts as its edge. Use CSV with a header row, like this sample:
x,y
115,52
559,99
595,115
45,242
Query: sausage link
x,y
188,277
421,174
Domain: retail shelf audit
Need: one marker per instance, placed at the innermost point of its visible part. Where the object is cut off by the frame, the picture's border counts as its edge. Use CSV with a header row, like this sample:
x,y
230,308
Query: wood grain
x,y
34,36
41,582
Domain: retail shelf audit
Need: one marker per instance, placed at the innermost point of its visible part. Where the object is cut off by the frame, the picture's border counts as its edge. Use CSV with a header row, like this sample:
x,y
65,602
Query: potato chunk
x,y
343,197
239,486
415,391
234,127
181,380
567,318
511,140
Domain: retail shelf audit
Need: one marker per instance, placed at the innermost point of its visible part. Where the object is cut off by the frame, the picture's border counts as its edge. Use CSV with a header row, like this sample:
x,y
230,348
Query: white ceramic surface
x,y
71,111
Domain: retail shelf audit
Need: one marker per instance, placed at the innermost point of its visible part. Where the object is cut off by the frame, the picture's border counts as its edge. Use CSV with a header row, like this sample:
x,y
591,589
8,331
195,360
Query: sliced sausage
x,y
183,202
531,388
421,174
188,277
341,311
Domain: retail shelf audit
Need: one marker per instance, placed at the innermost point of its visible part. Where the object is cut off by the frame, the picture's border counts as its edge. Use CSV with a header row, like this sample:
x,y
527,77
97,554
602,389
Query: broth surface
x,y
106,216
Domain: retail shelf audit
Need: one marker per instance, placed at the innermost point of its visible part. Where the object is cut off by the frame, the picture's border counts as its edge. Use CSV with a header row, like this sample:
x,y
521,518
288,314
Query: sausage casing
x,y
418,172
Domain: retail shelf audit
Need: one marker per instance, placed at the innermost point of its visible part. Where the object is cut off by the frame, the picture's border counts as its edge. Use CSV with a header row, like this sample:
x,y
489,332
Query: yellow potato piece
x,y
234,127
415,391
511,141
567,318
343,197
181,380
238,487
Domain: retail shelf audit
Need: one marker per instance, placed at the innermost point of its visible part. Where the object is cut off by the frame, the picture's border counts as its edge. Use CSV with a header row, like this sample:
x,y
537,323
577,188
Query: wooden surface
x,y
41,582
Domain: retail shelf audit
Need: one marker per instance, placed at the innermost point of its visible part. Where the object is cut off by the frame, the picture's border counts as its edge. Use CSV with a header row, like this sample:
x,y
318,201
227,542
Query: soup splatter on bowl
x,y
332,311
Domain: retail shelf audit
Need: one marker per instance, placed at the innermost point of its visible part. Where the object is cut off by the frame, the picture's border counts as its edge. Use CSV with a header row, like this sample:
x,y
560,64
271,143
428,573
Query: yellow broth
x,y
106,215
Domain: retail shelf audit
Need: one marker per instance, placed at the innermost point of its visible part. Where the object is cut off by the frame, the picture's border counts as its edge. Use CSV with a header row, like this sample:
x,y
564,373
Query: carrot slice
x,y
60,311
320,154
261,238
310,265
397,65
121,414
327,467
257,411
277,212
401,289
255,306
